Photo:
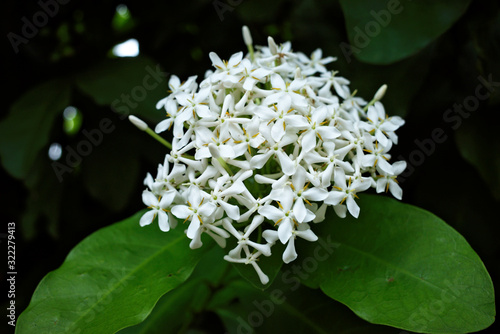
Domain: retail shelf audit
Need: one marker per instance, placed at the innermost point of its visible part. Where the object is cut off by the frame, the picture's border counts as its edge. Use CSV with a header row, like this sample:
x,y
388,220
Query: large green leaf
x,y
128,85
383,32
111,280
401,266
26,129
177,310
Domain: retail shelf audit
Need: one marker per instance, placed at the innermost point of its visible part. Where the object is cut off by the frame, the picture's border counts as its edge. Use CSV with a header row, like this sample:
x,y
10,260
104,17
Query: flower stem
x,y
158,138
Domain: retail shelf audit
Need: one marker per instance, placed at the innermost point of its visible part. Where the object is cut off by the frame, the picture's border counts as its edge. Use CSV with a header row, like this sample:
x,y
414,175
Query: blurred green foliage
x,y
431,55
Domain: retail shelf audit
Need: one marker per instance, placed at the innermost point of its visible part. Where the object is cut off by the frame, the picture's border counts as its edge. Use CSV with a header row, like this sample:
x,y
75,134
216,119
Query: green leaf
x,y
177,309
26,129
383,32
128,85
401,266
111,280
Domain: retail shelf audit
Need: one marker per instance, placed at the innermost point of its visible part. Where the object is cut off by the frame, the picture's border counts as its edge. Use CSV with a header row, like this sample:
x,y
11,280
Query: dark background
x,y
458,179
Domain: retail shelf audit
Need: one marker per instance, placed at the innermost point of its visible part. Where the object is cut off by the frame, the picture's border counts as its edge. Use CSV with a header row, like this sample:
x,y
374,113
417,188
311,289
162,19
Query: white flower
x,y
286,90
346,191
158,207
381,125
388,181
318,129
262,146
301,194
195,211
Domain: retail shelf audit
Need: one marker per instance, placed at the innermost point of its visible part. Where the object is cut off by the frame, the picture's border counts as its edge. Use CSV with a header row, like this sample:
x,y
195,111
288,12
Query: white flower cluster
x,y
268,140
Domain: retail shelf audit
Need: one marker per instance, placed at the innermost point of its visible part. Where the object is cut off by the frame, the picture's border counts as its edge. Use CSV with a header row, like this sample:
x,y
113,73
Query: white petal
x,y
309,140
307,235
399,167
285,230
339,178
381,184
361,184
386,167
167,199
328,132
271,212
235,59
352,206
226,151
149,199
196,242
315,194
299,210
232,211
163,221
181,211
320,213
237,188
277,82
264,249
340,210
335,197
263,277
193,228
258,161
163,125
286,199
396,190
147,218
290,254
381,138
278,131
287,165
368,160
270,235
296,121
216,61
299,178
207,209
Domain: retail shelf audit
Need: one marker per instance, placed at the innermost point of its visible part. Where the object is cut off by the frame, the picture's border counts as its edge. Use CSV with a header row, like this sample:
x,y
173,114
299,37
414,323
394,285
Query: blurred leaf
x,y
111,172
296,308
111,280
174,310
128,85
44,198
26,129
479,144
383,32
401,266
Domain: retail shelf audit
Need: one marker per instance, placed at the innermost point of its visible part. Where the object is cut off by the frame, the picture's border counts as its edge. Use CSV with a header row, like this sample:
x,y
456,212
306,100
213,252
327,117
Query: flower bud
x,y
247,38
141,125
380,93
272,45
